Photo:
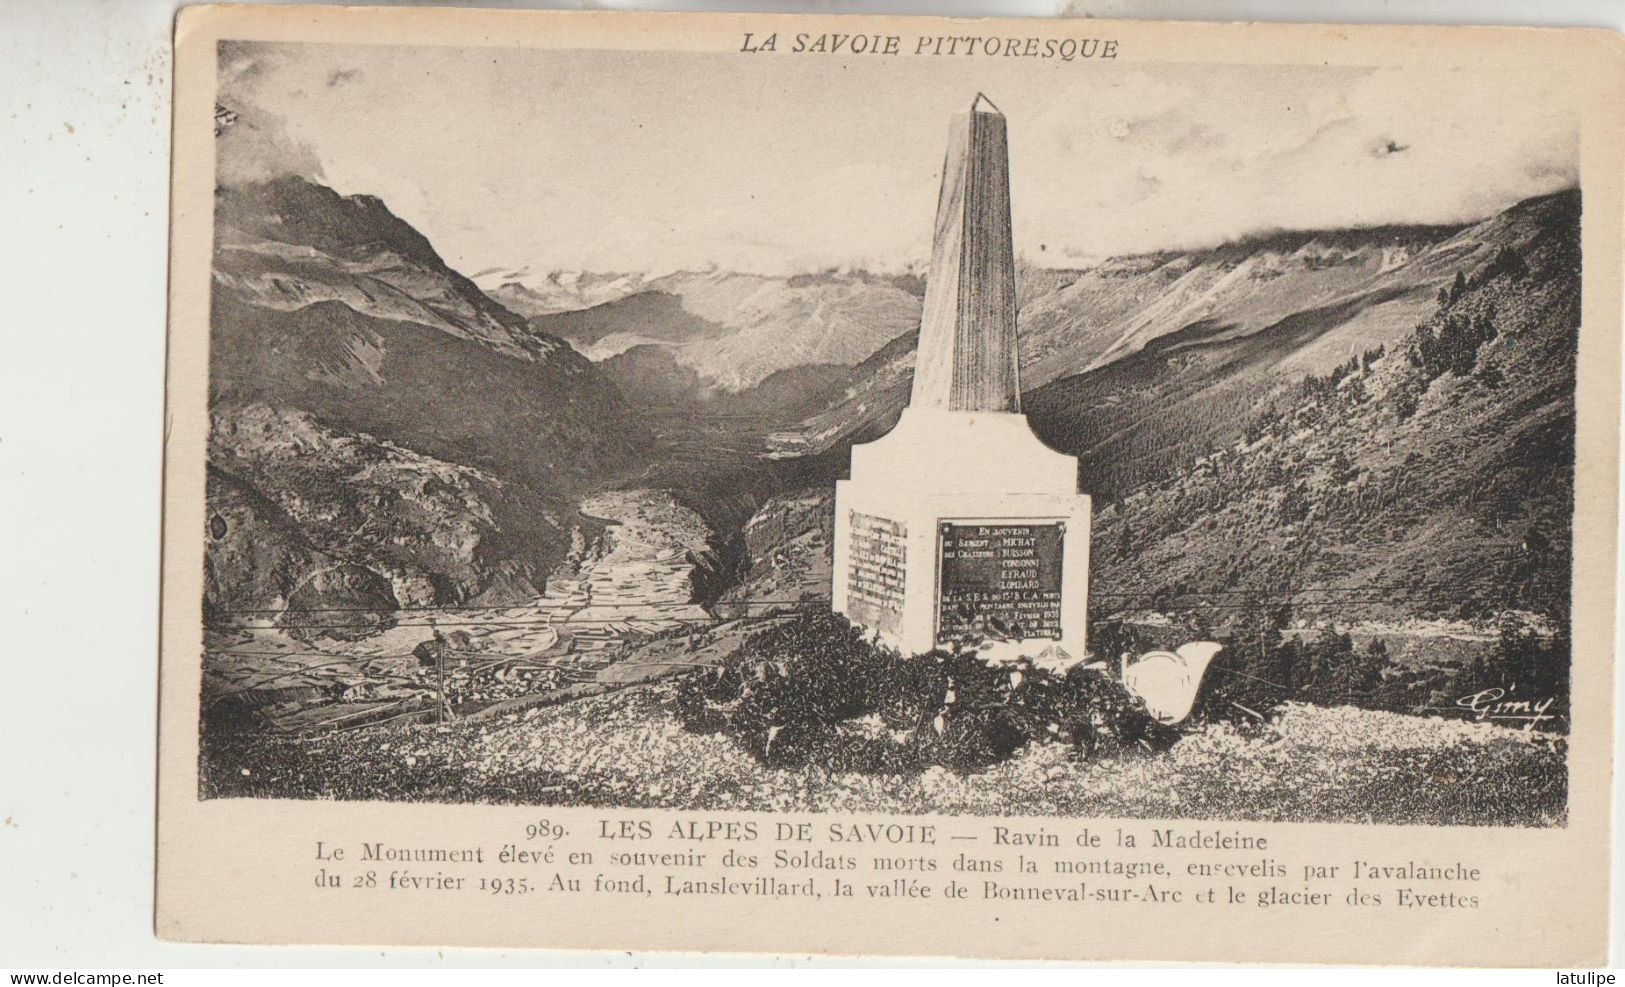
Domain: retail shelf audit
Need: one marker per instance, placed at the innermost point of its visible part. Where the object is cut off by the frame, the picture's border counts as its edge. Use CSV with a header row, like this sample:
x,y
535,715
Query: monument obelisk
x,y
959,525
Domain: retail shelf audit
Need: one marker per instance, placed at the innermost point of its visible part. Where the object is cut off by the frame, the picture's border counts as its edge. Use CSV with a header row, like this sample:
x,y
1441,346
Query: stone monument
x,y
959,524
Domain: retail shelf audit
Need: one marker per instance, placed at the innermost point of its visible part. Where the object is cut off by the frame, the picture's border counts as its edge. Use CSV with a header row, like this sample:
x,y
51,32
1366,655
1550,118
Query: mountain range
x,y
1272,416
1272,412
730,331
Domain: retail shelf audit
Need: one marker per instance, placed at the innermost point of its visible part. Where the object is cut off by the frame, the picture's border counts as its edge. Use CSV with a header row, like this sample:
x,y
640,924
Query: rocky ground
x,y
788,550
627,749
609,616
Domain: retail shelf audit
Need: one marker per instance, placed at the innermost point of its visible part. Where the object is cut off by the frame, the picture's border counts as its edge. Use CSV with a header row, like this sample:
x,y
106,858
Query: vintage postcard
x,y
1055,489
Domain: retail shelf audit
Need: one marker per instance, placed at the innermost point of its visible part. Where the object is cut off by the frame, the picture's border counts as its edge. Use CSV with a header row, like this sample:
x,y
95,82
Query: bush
x,y
782,687
784,695
1115,716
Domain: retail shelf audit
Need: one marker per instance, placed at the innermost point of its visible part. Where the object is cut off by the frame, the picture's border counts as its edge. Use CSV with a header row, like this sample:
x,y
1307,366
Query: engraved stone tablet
x,y
999,581
874,589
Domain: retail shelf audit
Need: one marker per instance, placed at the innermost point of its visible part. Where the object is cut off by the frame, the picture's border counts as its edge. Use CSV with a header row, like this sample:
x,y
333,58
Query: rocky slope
x,y
532,293
287,244
1357,287
334,305
1114,309
397,418
788,554
303,516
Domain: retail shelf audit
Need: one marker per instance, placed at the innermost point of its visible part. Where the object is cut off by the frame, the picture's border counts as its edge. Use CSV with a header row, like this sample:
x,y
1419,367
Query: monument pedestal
x,y
963,526
959,526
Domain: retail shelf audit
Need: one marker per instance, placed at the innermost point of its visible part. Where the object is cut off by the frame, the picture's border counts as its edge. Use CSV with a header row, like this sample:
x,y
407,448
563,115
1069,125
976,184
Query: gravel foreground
x,y
626,749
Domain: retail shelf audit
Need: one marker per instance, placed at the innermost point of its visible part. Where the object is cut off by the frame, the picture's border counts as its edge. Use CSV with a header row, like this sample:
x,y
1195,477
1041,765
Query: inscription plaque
x,y
999,581
875,572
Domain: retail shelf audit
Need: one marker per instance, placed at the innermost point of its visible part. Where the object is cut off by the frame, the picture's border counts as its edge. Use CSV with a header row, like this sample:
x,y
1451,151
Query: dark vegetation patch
x,y
785,695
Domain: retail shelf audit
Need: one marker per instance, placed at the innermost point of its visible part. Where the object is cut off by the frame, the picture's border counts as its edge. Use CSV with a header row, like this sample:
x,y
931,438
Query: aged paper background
x,y
239,870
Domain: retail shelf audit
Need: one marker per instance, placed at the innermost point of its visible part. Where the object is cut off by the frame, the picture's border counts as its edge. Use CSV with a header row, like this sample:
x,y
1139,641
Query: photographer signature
x,y
1493,704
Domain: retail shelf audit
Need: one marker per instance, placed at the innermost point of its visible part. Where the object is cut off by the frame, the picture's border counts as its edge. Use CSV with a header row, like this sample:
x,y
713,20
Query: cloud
x,y
619,161
252,143
1195,137
256,147
1193,156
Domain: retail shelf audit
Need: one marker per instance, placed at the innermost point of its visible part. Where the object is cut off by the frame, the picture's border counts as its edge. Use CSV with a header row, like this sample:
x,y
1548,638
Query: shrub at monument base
x,y
786,693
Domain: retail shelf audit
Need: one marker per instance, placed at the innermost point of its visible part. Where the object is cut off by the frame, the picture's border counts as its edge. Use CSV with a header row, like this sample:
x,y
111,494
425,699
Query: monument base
x,y
963,527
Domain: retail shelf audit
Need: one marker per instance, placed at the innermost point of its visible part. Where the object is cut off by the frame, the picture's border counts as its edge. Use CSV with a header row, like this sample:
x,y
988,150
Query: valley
x,y
585,480
636,570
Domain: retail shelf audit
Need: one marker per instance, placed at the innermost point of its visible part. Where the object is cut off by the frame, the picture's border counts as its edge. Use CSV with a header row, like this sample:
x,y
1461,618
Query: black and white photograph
x,y
1016,431
502,486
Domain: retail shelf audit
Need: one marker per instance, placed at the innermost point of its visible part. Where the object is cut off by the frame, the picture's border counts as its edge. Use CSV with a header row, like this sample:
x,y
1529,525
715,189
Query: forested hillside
x,y
1432,475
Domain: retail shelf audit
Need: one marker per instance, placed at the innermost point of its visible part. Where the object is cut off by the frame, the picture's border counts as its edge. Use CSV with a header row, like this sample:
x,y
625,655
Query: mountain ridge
x,y
1149,425
734,330
741,393
336,327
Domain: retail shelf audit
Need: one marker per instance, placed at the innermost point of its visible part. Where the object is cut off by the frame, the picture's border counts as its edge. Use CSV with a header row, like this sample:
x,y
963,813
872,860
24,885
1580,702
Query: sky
x,y
651,162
